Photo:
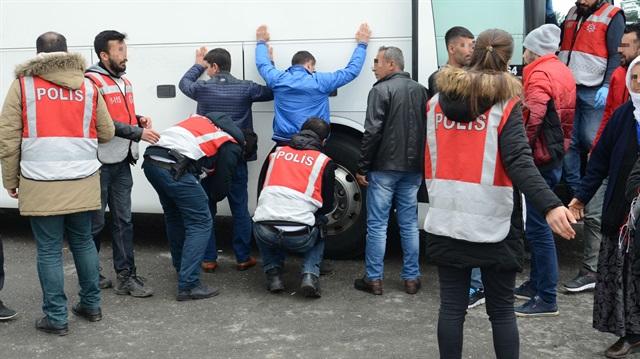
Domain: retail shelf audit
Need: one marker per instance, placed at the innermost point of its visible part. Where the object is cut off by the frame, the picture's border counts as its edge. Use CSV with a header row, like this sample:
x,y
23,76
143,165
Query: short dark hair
x,y
250,143
302,57
635,27
456,32
319,126
219,56
101,42
51,42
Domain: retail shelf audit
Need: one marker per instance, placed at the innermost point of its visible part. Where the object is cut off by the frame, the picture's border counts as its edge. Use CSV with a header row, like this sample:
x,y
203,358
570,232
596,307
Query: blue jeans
x,y
585,127
387,188
49,232
238,202
274,247
187,219
544,260
476,278
115,190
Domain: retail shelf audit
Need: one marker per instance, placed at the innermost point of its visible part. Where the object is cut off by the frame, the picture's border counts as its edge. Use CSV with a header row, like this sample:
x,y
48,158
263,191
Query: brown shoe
x,y
412,286
364,285
621,349
246,265
209,267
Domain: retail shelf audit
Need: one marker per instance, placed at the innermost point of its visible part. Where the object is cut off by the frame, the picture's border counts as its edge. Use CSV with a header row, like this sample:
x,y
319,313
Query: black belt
x,y
275,229
161,164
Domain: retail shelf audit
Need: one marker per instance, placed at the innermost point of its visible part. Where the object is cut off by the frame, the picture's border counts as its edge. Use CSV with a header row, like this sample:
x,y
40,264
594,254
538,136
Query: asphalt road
x,y
246,321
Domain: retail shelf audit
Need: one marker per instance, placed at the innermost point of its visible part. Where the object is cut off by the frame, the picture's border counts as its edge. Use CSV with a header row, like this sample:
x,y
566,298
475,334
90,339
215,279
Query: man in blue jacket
x,y
226,94
300,92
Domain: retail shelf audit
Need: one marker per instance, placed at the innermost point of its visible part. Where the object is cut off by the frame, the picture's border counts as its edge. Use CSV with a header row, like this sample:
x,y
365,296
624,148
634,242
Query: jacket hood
x,y
455,88
99,68
227,125
62,69
306,140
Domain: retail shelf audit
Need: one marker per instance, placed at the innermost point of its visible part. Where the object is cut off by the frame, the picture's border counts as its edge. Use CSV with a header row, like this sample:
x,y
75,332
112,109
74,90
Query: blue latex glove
x,y
601,98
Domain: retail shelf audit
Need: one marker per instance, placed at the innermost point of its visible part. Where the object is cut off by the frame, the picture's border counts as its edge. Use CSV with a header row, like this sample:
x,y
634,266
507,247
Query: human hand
x,y
145,122
560,219
364,33
13,192
601,98
362,179
577,208
150,136
200,53
262,33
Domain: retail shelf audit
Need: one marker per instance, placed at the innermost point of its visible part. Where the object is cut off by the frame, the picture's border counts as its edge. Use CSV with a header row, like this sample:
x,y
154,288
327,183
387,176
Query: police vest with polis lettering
x,y
121,108
470,193
59,136
584,45
292,188
195,137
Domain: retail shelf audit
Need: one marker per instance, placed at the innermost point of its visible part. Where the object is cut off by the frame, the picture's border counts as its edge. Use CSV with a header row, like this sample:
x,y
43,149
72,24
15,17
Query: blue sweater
x,y
299,94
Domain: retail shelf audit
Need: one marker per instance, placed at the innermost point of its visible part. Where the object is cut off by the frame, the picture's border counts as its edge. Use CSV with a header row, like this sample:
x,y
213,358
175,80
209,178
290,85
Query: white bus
x,y
163,36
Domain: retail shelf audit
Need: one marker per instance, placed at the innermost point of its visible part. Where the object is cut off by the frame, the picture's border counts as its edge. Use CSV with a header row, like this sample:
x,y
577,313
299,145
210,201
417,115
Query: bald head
x,y
51,42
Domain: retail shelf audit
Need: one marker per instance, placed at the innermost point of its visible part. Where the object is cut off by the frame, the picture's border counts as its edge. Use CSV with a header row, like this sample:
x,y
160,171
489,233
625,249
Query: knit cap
x,y
543,40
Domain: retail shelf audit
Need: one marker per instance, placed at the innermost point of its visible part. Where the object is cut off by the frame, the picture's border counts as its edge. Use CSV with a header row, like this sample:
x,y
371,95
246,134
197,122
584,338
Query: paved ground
x,y
246,321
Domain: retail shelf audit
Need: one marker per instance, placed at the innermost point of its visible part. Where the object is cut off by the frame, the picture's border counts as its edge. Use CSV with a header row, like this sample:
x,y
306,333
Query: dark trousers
x,y
1,265
454,299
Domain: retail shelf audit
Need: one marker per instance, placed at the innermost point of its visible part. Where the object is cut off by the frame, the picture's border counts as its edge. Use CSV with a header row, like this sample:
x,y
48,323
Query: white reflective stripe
x,y
89,92
285,204
103,86
98,78
587,69
270,168
181,140
212,136
490,158
431,133
58,158
315,172
128,89
469,211
30,100
604,17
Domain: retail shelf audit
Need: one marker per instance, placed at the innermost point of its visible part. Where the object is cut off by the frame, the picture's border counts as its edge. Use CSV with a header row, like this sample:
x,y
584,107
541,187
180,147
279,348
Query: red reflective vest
x,y
59,136
470,193
195,137
584,45
121,108
293,186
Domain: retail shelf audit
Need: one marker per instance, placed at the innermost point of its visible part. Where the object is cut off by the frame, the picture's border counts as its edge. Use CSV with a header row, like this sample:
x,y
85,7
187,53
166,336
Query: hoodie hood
x,y
99,68
66,70
456,93
227,125
306,140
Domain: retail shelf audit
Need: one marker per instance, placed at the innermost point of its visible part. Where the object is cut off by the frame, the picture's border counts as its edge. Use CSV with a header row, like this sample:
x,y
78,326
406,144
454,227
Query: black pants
x,y
454,299
1,265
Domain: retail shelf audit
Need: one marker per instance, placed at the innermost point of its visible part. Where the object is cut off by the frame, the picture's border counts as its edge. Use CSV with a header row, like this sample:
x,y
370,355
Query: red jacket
x,y
618,94
550,99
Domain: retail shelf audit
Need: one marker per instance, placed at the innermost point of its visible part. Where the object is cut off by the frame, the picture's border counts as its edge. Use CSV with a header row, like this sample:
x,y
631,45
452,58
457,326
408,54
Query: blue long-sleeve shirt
x,y
299,94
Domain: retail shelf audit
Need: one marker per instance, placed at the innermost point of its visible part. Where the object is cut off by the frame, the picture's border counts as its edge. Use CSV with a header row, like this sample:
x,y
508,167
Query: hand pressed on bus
x,y
262,33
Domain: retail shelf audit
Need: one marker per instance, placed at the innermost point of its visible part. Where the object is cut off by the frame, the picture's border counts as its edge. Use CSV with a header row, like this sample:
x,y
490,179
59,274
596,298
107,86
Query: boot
x,y
129,283
274,280
310,285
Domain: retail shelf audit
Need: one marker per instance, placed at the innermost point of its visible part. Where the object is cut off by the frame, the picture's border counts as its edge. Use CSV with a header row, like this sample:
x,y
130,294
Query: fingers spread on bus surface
x,y
364,33
200,53
560,219
262,33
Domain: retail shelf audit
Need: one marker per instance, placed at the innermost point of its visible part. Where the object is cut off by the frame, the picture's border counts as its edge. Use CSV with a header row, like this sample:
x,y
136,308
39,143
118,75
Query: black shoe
x,y
43,325
104,282
92,315
6,313
129,283
326,268
310,285
200,292
585,279
274,280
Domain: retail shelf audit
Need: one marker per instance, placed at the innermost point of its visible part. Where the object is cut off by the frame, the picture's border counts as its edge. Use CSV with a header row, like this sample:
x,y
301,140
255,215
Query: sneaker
x,y
200,292
524,291
536,307
476,297
6,313
104,282
585,279
129,283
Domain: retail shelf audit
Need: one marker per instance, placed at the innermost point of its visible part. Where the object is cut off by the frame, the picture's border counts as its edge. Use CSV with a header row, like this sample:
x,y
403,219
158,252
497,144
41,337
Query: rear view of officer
x,y
297,193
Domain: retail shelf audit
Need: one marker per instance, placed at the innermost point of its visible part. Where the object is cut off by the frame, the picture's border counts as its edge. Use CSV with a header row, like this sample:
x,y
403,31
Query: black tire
x,y
347,227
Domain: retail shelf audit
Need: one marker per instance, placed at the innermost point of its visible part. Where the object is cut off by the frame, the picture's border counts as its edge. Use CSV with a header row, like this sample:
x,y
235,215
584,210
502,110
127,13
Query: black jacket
x,y
394,129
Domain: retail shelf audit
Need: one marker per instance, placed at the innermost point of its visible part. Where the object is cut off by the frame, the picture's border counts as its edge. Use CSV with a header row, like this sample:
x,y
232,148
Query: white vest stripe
x,y
431,134
30,94
270,168
88,106
97,78
212,136
313,177
491,145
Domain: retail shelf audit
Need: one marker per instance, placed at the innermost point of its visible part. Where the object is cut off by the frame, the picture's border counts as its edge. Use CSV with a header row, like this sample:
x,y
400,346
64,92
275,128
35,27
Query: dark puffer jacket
x,y
506,255
394,129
